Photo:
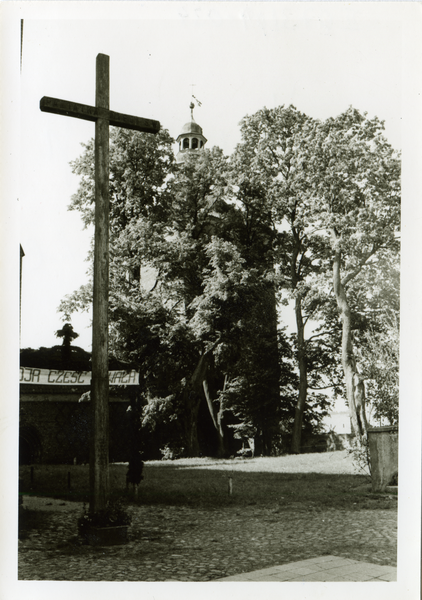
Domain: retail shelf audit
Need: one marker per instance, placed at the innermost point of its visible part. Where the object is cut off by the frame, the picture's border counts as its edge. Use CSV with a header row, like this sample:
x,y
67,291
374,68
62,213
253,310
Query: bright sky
x,y
238,63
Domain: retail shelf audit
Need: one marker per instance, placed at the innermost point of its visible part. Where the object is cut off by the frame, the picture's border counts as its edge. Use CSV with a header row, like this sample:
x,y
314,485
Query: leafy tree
x,y
331,191
177,233
380,368
236,313
230,282
375,308
270,172
159,221
219,240
139,169
353,196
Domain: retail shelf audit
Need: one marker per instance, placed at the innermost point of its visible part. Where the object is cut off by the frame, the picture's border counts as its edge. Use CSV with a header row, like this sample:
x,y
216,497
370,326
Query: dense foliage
x,y
332,191
205,254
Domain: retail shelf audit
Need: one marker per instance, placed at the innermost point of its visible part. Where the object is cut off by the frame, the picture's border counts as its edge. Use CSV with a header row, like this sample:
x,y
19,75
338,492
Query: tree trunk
x,y
193,396
355,390
191,425
216,419
267,415
303,379
301,350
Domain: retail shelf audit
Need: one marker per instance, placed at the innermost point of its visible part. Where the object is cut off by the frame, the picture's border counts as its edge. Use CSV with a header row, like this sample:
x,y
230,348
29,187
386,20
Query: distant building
x,y
339,421
55,419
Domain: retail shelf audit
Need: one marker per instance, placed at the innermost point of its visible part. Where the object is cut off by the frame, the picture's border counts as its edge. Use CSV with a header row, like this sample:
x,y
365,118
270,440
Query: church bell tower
x,y
190,139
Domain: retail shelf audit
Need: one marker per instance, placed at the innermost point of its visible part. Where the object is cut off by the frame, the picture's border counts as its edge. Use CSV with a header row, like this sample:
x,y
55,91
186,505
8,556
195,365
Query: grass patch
x,y
304,482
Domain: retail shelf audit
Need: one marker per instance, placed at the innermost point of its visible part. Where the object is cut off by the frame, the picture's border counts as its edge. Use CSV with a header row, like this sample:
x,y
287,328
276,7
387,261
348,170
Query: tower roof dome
x,y
191,127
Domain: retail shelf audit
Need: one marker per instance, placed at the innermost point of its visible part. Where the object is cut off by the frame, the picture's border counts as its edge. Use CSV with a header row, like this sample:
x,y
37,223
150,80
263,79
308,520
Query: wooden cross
x,y
103,117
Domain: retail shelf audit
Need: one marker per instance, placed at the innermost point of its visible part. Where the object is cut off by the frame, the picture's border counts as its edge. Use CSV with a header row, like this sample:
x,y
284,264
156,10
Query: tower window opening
x,y
194,143
201,144
185,143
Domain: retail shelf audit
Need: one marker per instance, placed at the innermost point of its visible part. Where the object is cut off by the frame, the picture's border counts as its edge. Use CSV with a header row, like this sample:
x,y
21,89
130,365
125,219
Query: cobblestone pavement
x,y
193,544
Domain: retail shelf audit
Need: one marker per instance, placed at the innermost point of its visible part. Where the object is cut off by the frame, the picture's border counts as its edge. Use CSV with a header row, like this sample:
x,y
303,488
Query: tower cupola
x,y
190,138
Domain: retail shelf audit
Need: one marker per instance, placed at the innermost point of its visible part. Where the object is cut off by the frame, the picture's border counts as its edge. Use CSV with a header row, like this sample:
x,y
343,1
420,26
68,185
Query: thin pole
x,y
99,471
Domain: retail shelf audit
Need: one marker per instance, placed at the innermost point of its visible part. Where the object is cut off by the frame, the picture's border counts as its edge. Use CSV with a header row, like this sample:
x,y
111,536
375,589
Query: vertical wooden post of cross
x,y
103,118
99,470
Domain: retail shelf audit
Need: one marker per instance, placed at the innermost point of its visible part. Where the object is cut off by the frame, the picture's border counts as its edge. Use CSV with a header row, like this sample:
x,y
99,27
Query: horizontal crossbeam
x,y
92,113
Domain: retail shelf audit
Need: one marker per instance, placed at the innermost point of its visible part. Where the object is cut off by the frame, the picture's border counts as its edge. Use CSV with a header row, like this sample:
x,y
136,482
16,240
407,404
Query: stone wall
x,y
326,442
384,453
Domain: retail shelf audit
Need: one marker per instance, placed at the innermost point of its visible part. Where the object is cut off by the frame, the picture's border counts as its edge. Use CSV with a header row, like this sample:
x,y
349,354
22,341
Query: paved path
x,y
169,543
322,568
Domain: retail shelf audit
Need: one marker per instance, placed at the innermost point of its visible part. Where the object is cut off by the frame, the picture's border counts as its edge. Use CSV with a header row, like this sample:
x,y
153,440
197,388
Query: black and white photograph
x,y
211,296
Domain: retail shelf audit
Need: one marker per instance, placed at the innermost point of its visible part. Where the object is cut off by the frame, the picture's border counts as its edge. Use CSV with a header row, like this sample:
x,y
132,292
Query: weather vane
x,y
197,101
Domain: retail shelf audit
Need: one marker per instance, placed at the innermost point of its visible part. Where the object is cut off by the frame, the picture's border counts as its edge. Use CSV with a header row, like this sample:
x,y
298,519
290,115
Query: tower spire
x,y
191,138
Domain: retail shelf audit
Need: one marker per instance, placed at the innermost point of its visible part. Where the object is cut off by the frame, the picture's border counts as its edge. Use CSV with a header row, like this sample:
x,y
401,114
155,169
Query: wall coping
x,y
384,428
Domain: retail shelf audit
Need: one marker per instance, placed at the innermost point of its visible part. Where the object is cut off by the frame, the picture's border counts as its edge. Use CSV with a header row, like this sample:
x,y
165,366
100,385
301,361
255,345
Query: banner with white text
x,y
54,377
